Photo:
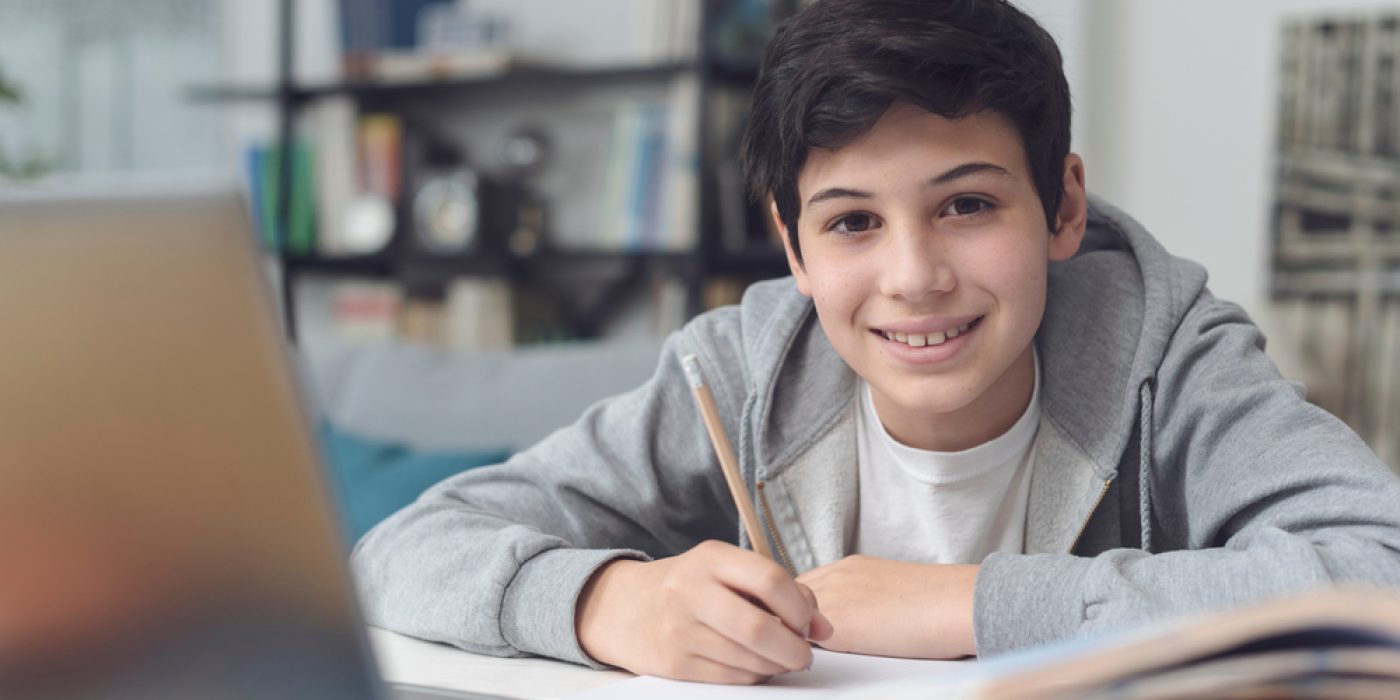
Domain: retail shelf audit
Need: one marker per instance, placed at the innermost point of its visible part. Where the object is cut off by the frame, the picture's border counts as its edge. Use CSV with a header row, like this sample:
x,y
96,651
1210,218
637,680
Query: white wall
x,y
1179,111
104,85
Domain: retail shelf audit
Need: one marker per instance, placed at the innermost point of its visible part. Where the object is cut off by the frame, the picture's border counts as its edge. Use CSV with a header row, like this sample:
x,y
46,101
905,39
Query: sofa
x,y
393,419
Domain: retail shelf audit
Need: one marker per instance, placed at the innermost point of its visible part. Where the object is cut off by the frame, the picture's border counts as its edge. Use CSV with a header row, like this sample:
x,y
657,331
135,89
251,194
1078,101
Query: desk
x,y
407,660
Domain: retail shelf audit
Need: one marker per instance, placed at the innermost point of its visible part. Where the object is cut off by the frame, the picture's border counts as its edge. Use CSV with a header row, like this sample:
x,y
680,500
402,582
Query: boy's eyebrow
x,y
966,169
837,193
961,171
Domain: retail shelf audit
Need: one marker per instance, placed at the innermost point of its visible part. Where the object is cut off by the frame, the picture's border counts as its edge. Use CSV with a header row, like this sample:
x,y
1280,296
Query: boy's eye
x,y
967,206
853,223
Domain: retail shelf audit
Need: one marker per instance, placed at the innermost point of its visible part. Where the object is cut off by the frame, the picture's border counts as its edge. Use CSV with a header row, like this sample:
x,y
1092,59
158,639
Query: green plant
x,y
8,92
33,165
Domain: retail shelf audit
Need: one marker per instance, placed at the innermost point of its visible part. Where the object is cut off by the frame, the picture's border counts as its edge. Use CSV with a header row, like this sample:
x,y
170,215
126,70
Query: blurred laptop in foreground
x,y
164,531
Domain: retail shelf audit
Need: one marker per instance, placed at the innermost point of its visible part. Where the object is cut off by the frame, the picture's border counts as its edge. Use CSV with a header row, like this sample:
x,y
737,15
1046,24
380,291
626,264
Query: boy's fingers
x,y
718,648
768,585
699,668
753,628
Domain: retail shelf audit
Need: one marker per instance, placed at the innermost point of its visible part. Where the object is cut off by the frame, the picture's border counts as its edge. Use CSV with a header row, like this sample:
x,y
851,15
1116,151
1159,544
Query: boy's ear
x,y
1074,212
798,273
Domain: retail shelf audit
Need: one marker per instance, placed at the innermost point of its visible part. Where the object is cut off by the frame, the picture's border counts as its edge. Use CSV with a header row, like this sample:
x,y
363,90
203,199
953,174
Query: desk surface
x,y
407,660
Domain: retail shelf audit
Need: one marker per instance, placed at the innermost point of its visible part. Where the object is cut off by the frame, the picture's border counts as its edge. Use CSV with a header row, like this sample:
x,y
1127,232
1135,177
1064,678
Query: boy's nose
x,y
916,267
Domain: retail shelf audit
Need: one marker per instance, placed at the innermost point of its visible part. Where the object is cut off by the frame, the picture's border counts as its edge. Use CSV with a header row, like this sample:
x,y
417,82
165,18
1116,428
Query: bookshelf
x,y
1335,253
727,246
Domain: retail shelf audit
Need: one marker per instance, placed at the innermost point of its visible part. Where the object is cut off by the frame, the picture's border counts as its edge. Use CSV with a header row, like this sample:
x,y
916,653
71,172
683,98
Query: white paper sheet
x,y
405,660
831,675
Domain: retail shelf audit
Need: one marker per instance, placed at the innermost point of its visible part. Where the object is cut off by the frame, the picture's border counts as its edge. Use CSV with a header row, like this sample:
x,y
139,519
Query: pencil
x,y
727,462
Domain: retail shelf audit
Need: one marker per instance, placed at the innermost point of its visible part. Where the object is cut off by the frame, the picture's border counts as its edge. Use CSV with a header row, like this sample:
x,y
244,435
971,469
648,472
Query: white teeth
x,y
919,341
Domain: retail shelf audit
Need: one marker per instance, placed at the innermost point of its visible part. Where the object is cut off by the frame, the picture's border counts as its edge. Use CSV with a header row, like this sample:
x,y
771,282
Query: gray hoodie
x,y
1176,472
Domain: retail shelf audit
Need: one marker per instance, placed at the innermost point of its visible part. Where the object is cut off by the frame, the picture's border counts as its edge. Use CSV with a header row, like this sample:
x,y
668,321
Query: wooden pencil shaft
x,y
730,466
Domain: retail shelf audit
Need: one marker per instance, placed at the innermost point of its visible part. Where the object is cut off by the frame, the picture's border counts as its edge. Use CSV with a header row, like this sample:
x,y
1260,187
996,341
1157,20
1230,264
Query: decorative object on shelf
x,y
447,211
453,28
446,215
369,27
398,41
369,224
521,156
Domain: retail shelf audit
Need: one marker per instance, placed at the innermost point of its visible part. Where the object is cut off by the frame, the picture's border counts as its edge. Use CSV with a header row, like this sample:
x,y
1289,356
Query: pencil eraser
x,y
691,366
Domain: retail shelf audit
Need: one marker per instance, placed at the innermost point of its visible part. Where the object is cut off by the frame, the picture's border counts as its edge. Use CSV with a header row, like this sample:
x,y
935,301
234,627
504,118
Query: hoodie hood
x,y
1097,358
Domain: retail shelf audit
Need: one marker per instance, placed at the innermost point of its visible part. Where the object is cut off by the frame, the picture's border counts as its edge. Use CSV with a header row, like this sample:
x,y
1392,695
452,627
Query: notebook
x,y
164,528
1335,642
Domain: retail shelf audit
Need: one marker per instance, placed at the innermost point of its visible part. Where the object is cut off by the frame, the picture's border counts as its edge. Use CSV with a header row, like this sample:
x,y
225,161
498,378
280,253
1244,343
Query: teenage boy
x,y
987,411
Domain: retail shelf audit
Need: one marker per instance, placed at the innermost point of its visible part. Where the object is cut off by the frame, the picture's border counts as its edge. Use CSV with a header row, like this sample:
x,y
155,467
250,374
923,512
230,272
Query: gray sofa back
x,y
428,399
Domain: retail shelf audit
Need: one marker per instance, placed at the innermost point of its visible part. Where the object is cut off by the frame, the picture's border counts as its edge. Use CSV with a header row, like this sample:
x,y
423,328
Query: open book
x,y
1338,643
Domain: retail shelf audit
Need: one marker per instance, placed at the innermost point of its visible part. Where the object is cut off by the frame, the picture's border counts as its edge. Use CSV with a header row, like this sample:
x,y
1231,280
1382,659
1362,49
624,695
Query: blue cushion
x,y
372,479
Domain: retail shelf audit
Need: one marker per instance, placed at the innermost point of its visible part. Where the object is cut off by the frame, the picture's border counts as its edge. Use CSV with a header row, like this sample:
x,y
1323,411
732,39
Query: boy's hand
x,y
895,608
701,616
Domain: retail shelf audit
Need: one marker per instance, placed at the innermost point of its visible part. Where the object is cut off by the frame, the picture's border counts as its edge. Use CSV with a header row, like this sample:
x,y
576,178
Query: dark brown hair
x,y
836,67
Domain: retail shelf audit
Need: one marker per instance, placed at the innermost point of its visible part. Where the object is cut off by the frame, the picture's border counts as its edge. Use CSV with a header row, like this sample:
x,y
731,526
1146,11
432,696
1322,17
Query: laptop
x,y
165,531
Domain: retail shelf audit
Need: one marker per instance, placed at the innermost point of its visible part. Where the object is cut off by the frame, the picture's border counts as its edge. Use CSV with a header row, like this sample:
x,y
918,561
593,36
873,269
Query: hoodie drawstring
x,y
1145,464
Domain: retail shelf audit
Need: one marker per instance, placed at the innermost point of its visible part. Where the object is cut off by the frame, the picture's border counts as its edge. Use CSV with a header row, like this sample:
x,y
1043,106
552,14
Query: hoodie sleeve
x,y
1254,493
493,560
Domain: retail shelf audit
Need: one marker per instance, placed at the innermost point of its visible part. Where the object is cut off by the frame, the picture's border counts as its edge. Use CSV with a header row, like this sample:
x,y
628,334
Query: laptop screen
x,y
164,531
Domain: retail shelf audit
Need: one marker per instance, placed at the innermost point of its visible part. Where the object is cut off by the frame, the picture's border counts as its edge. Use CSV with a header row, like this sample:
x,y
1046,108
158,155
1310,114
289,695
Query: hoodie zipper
x,y
773,530
1102,492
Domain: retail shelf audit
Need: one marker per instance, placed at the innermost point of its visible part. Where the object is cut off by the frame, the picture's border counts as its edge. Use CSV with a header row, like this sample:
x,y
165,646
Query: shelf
x,y
421,265
736,71
764,259
530,75
349,266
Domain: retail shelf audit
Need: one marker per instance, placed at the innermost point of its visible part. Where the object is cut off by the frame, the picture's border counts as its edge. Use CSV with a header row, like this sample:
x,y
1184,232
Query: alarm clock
x,y
447,212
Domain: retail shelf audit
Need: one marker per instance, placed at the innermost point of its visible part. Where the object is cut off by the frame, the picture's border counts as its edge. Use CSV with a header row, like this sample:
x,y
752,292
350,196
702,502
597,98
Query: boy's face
x,y
925,251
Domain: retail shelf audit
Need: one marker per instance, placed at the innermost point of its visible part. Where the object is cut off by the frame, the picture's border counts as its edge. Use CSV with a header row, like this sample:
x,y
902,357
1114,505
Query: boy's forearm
x,y
1024,600
455,576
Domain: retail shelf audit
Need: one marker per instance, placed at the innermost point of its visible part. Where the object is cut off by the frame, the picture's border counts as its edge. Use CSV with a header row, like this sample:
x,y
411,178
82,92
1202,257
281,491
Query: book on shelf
x,y
649,179
679,231
331,125
297,234
422,322
669,30
478,315
1335,643
364,311
473,315
666,308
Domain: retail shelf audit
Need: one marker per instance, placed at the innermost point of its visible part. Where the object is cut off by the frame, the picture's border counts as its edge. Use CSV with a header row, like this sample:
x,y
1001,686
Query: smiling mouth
x,y
930,339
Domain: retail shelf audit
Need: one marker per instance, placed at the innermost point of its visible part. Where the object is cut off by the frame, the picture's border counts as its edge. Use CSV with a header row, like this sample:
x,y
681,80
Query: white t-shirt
x,y
943,507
